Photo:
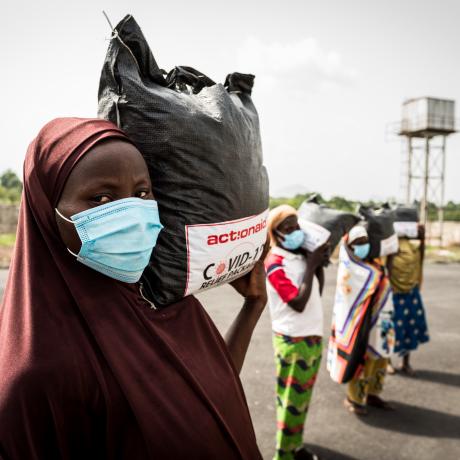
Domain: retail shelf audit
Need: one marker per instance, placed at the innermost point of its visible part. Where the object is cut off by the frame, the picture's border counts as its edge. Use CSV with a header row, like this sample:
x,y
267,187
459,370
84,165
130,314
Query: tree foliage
x,y
451,209
10,188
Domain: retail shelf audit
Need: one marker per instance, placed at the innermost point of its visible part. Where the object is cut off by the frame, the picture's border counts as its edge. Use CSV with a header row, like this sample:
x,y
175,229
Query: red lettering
x,y
236,235
212,239
223,238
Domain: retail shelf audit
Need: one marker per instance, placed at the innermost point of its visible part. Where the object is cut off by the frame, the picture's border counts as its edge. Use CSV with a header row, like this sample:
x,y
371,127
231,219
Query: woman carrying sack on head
x,y
362,332
296,281
406,273
89,367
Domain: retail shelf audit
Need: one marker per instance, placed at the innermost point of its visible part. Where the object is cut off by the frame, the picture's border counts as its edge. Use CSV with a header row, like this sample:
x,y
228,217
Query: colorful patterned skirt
x,y
409,321
297,364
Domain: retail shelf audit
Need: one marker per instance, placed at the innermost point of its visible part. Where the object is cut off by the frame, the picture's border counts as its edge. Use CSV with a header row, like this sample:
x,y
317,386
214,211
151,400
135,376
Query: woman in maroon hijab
x,y
88,369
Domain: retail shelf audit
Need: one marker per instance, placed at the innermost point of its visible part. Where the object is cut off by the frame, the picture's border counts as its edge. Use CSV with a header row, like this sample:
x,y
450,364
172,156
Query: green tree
x,y
451,209
10,187
10,180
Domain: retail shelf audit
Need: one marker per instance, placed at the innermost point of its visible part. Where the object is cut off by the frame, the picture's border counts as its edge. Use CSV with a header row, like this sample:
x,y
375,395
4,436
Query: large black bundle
x,y
406,221
405,213
338,223
382,236
201,142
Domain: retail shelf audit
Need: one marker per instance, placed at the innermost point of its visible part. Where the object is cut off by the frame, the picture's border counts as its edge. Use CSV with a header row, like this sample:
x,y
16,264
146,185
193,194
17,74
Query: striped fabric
x,y
382,335
362,293
297,363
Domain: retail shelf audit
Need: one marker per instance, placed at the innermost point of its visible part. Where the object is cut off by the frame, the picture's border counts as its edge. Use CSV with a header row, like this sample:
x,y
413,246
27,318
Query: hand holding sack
x,y
322,224
201,142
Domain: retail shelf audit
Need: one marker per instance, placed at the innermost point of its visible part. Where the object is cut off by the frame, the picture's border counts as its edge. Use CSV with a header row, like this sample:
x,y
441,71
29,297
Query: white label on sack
x,y
315,235
408,229
389,245
221,252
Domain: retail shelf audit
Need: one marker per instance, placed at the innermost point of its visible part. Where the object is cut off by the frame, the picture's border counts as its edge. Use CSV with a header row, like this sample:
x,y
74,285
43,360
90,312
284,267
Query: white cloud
x,y
297,65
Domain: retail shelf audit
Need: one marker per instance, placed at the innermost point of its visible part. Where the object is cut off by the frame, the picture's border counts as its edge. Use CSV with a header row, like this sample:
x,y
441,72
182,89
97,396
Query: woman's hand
x,y
319,256
421,232
252,286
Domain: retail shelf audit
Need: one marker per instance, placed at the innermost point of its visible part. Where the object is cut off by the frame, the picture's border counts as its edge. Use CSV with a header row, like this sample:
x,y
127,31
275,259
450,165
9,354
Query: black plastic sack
x,y
382,236
337,222
201,142
406,220
405,214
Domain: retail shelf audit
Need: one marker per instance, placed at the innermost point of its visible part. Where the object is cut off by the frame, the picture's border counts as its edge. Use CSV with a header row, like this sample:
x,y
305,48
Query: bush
x,y
451,209
10,188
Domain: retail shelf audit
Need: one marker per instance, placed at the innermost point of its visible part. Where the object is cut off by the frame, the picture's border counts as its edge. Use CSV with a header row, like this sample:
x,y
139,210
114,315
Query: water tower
x,y
426,123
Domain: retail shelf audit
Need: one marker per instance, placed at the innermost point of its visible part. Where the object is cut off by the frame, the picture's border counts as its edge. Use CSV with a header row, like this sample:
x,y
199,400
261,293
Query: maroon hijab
x,y
87,369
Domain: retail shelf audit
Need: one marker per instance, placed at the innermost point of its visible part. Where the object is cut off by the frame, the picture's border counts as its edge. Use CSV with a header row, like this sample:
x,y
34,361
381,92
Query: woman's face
x,y
110,171
359,242
289,225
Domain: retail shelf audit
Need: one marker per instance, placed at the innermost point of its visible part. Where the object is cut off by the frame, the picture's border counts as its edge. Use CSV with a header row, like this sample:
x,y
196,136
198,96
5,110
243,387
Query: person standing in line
x,y
296,281
362,331
406,273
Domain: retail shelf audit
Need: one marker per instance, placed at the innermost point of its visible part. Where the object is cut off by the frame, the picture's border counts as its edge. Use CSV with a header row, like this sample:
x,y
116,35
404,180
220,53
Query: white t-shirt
x,y
285,272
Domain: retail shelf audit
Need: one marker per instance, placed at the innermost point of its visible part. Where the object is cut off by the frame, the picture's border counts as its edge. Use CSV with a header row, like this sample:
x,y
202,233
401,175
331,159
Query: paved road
x,y
426,424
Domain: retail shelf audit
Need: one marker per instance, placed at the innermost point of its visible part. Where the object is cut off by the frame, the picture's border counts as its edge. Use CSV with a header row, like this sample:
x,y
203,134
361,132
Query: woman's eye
x,y
142,194
102,199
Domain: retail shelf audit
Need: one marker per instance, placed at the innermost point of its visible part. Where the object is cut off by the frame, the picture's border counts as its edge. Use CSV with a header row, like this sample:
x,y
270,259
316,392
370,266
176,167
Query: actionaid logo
x,y
233,235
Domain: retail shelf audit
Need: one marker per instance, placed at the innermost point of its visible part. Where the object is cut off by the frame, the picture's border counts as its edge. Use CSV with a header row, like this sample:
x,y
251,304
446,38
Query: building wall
x,y
451,233
8,218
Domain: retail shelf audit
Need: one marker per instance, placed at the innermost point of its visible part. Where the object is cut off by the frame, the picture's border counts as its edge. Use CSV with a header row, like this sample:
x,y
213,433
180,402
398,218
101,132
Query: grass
x,y
6,248
7,239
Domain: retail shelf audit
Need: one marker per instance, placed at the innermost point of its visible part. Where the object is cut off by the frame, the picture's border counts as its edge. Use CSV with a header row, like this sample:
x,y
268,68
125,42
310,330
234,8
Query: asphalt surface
x,y
426,423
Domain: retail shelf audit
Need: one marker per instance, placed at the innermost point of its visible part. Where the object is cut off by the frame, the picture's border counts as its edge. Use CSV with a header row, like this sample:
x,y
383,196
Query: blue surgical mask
x,y
294,240
361,250
117,238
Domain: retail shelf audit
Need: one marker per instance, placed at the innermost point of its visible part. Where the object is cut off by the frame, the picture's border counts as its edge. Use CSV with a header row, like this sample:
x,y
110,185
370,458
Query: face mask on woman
x,y
117,238
294,240
361,250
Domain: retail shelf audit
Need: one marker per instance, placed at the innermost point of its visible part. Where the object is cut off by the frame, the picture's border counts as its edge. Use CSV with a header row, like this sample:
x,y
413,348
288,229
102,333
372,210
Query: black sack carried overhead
x,y
201,142
382,236
406,220
338,223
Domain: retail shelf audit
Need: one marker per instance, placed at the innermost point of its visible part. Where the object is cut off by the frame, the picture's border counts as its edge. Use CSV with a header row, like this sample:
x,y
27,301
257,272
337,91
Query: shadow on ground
x,y
415,421
327,454
444,378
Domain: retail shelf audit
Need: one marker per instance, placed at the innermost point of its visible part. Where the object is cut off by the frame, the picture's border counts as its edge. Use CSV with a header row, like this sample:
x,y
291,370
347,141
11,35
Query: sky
x,y
331,76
